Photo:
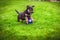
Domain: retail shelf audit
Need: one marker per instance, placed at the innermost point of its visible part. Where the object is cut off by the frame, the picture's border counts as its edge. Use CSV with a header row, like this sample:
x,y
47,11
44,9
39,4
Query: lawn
x,y
46,25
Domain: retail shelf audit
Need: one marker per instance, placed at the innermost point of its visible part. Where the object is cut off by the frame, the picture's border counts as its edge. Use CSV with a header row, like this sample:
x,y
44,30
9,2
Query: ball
x,y
29,21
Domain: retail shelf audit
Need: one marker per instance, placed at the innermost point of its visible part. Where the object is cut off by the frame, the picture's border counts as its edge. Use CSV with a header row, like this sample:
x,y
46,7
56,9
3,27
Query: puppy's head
x,y
30,9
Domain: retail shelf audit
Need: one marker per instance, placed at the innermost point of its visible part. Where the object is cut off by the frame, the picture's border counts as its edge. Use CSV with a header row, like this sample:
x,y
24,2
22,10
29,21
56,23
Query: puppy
x,y
26,14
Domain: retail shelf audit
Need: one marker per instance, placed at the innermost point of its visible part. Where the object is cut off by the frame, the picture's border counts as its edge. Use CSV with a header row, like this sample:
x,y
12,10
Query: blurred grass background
x,y
46,24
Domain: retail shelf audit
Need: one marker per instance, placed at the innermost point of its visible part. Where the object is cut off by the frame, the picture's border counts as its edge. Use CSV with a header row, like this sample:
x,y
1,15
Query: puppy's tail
x,y
17,11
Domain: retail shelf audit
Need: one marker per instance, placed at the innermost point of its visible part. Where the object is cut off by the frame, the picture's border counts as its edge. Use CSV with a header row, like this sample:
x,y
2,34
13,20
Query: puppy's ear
x,y
33,6
27,6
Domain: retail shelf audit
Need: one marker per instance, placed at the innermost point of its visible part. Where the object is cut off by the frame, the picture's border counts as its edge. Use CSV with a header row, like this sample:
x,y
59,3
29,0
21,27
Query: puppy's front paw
x,y
26,22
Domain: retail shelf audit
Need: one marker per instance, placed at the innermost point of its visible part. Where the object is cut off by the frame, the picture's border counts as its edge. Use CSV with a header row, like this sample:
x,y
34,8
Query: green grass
x,y
46,24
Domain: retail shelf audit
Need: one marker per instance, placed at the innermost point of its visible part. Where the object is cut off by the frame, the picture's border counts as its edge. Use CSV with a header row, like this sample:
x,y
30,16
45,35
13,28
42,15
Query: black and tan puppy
x,y
26,14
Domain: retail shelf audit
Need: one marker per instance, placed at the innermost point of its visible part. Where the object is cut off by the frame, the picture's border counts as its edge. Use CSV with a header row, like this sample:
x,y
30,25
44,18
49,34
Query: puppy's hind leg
x,y
19,18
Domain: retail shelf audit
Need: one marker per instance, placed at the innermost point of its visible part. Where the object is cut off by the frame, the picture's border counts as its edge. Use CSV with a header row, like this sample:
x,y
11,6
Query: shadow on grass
x,y
7,35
